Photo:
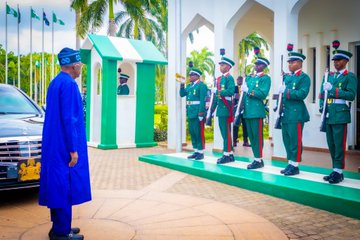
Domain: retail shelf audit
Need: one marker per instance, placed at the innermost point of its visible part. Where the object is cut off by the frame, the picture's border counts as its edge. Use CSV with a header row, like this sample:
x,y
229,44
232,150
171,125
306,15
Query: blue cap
x,y
68,56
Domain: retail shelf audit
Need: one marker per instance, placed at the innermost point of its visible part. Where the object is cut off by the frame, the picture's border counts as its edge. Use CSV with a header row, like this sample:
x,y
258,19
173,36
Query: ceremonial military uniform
x,y
294,113
123,88
344,86
195,93
225,86
254,110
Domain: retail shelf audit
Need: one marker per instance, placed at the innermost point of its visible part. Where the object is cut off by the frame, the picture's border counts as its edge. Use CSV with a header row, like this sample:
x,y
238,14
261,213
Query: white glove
x,y
182,80
327,86
281,88
201,118
213,90
244,88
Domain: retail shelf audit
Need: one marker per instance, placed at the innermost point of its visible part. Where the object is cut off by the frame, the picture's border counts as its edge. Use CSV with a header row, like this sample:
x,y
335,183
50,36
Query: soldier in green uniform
x,y
295,89
256,89
123,88
341,87
195,93
224,90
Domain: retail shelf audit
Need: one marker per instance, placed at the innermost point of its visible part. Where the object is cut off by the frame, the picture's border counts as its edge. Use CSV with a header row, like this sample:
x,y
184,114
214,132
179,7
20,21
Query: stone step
x,y
307,188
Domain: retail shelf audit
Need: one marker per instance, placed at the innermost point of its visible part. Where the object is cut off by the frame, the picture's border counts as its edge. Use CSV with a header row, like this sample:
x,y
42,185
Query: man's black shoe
x,y
67,237
256,164
292,170
232,158
192,155
336,178
223,159
287,168
199,156
74,230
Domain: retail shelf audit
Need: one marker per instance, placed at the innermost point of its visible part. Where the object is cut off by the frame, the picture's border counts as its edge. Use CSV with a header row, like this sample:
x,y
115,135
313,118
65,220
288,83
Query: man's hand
x,y
281,88
327,86
74,159
244,88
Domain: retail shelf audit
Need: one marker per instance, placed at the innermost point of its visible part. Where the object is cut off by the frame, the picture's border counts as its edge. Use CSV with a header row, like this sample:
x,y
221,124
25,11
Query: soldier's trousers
x,y
336,139
255,131
225,130
196,129
292,138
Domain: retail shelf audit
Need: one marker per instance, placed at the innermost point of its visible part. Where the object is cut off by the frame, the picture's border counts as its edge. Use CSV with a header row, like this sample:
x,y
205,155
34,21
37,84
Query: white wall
x,y
321,22
95,105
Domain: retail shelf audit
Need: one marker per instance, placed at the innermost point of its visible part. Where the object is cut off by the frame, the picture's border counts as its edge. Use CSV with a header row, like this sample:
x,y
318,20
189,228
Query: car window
x,y
13,102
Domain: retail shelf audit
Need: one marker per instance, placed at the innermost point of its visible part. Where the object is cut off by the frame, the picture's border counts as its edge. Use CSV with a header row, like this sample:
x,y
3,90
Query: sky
x,y
64,36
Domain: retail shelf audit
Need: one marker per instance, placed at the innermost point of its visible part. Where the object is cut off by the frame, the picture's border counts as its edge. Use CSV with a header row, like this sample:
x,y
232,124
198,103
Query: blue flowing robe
x,y
64,132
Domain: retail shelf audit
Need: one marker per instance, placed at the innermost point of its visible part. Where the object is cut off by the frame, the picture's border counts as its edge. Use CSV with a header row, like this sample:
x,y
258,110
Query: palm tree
x,y
247,45
79,6
92,16
137,22
202,60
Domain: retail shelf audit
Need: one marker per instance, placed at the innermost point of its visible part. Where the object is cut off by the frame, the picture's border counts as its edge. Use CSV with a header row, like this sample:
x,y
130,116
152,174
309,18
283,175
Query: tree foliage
x,y
246,46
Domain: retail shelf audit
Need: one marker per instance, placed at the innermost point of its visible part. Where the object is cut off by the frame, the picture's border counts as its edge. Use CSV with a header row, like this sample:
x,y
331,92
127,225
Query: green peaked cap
x,y
195,71
341,54
262,60
227,61
124,76
296,56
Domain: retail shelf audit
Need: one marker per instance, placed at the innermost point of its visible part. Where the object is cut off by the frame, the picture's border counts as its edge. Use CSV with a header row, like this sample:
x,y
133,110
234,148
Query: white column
x,y
174,65
224,38
285,31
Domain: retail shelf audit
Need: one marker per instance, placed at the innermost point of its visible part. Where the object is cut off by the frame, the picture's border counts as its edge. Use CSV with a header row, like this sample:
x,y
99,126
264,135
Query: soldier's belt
x,y
192,102
336,101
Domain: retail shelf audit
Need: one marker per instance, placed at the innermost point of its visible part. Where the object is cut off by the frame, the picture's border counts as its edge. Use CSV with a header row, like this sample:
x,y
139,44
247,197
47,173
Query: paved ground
x,y
136,200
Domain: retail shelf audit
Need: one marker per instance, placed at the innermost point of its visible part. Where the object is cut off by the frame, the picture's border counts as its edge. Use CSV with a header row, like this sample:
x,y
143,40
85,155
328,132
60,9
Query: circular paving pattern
x,y
145,215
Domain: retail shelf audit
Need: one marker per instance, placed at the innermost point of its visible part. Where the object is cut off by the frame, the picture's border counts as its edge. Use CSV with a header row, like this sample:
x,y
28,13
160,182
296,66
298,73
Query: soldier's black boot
x,y
192,155
223,159
336,178
326,178
292,170
284,170
232,158
256,164
199,156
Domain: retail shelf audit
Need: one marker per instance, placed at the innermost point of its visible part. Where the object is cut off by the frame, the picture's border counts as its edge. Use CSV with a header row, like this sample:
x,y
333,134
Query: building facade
x,y
311,25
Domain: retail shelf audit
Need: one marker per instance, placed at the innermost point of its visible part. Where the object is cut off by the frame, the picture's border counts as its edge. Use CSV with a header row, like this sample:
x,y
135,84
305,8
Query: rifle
x,y
239,109
323,113
279,105
209,113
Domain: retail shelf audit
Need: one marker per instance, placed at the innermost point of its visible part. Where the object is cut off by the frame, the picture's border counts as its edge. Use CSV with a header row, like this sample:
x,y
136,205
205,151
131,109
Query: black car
x,y
21,123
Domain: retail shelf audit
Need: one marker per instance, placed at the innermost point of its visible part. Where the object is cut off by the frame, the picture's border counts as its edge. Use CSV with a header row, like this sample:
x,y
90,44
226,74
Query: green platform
x,y
306,188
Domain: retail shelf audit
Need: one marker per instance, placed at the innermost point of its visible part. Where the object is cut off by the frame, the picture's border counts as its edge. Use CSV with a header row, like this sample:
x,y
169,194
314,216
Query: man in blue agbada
x,y
65,178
